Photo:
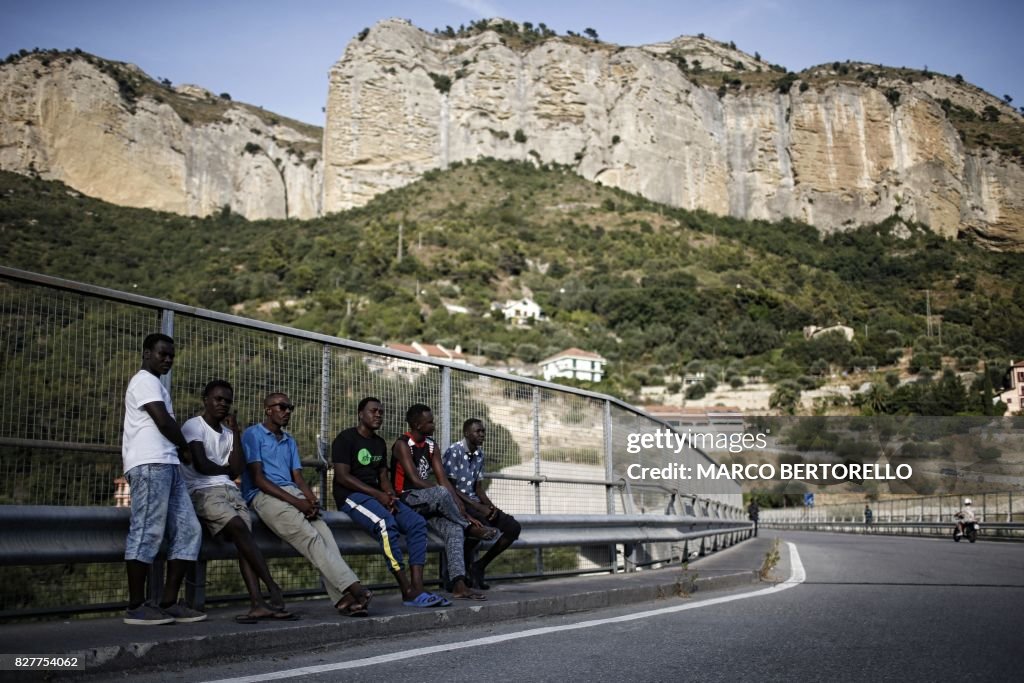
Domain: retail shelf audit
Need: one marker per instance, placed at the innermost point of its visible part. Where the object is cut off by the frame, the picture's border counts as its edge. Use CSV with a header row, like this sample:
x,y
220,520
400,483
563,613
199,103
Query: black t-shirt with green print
x,y
365,457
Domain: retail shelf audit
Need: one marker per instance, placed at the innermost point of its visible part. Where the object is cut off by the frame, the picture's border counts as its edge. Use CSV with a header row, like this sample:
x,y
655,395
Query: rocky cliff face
x,y
110,131
837,153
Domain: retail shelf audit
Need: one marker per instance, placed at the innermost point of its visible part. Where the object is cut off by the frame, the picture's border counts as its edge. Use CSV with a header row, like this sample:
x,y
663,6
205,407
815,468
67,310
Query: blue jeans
x,y
368,513
161,508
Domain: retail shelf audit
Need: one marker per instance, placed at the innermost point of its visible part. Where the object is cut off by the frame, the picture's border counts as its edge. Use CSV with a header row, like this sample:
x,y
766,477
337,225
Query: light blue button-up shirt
x,y
279,458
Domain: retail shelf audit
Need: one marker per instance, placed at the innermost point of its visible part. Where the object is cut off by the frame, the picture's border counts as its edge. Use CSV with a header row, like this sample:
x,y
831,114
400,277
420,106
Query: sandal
x,y
424,599
470,596
349,606
445,602
275,615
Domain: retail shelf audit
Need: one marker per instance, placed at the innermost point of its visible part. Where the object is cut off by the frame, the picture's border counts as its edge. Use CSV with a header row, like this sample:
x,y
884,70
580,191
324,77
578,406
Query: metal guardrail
x,y
39,535
989,531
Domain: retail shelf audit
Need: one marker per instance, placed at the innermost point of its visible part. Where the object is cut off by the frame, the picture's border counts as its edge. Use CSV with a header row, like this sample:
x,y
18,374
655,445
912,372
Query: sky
x,y
277,54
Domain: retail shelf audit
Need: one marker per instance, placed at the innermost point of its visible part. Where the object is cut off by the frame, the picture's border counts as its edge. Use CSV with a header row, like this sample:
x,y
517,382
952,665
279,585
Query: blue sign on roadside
x,y
809,500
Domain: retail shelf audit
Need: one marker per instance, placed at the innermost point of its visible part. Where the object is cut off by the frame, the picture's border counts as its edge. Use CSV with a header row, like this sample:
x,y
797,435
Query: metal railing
x,y
1001,515
39,535
69,349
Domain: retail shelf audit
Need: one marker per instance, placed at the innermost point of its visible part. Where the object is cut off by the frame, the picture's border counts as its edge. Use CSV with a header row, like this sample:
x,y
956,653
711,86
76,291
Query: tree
x,y
225,96
696,391
990,114
590,33
786,397
442,82
1007,99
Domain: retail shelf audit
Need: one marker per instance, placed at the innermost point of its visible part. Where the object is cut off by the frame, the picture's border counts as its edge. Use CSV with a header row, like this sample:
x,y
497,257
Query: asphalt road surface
x,y
855,608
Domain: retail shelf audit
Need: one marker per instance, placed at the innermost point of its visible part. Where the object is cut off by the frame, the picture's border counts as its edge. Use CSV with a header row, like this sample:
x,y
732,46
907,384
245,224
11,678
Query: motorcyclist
x,y
965,516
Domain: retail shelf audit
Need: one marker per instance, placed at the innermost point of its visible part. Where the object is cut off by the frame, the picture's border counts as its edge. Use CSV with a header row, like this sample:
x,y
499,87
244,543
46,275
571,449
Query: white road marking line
x,y
796,577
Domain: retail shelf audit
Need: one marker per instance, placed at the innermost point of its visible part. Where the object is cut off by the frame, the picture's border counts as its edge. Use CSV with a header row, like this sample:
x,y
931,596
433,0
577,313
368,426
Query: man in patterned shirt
x,y
464,466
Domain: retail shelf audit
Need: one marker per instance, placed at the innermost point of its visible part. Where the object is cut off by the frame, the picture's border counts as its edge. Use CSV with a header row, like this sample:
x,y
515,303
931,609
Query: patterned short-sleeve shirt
x,y
464,468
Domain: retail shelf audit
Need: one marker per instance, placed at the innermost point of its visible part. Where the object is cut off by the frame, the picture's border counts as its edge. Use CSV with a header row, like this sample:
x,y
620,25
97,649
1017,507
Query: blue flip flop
x,y
445,602
424,600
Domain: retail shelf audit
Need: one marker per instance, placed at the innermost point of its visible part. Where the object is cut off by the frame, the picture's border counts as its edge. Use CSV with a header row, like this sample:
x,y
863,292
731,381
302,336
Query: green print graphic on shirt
x,y
364,456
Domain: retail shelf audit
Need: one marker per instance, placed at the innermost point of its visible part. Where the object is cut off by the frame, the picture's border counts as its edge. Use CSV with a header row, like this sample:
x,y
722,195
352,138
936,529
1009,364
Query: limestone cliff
x,y
836,148
110,131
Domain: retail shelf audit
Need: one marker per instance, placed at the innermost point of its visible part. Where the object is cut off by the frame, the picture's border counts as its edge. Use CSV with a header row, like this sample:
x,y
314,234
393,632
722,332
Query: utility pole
x,y
927,311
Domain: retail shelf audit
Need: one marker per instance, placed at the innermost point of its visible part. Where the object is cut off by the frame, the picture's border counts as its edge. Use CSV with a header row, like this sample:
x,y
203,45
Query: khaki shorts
x,y
218,505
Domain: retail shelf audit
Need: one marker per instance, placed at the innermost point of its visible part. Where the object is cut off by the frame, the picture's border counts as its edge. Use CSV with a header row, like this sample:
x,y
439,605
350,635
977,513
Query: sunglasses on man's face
x,y
285,407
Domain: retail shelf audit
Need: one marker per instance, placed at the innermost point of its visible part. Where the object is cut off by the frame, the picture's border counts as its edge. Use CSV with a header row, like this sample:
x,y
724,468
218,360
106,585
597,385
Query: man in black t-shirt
x,y
363,491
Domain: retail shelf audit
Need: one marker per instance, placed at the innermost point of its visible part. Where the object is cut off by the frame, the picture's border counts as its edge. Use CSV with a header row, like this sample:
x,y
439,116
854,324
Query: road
x,y
870,608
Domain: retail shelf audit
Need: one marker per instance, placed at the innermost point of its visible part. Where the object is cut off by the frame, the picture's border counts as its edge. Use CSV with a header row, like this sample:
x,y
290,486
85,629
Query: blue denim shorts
x,y
161,509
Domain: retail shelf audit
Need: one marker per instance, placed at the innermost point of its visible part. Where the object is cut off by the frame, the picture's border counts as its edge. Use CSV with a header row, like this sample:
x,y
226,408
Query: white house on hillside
x,y
574,364
812,331
1014,396
409,368
521,311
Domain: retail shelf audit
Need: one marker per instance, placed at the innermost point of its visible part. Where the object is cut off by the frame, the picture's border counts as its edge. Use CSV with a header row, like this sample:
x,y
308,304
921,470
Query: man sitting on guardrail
x,y
363,492
414,457
152,448
218,502
273,485
463,463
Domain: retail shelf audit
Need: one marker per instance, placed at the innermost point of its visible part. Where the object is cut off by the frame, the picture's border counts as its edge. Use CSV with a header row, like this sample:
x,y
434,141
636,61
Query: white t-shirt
x,y
143,443
218,450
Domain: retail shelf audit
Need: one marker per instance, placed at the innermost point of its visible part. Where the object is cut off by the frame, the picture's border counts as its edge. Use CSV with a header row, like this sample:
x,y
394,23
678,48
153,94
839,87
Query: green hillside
x,y
652,288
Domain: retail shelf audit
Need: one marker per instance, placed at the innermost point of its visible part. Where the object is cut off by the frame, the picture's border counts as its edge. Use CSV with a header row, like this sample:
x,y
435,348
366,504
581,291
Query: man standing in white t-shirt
x,y
218,502
160,504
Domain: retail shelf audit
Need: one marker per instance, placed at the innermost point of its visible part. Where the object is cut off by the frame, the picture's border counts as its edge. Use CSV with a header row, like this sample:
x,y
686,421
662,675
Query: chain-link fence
x,y
991,507
68,351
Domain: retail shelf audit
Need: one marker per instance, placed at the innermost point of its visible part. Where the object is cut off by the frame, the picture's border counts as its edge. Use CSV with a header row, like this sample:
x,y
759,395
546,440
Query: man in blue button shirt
x,y
273,486
464,466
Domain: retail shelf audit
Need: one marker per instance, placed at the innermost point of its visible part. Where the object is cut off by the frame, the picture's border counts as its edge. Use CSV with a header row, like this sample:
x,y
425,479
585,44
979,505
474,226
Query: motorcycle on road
x,y
968,529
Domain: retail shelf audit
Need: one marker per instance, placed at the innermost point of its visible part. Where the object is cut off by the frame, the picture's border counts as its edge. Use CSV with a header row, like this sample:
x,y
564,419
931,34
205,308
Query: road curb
x,y
314,633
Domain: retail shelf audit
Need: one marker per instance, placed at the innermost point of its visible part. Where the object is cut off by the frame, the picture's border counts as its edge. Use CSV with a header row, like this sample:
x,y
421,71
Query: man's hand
x,y
473,521
230,422
185,456
387,500
308,508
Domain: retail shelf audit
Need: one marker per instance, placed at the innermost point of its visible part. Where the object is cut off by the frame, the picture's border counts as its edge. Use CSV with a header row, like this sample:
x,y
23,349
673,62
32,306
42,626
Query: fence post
x,y
536,467
609,464
609,469
325,418
445,436
167,327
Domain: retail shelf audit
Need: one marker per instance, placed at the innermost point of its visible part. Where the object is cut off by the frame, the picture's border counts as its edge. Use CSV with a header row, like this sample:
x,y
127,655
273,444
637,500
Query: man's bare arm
x,y
187,452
